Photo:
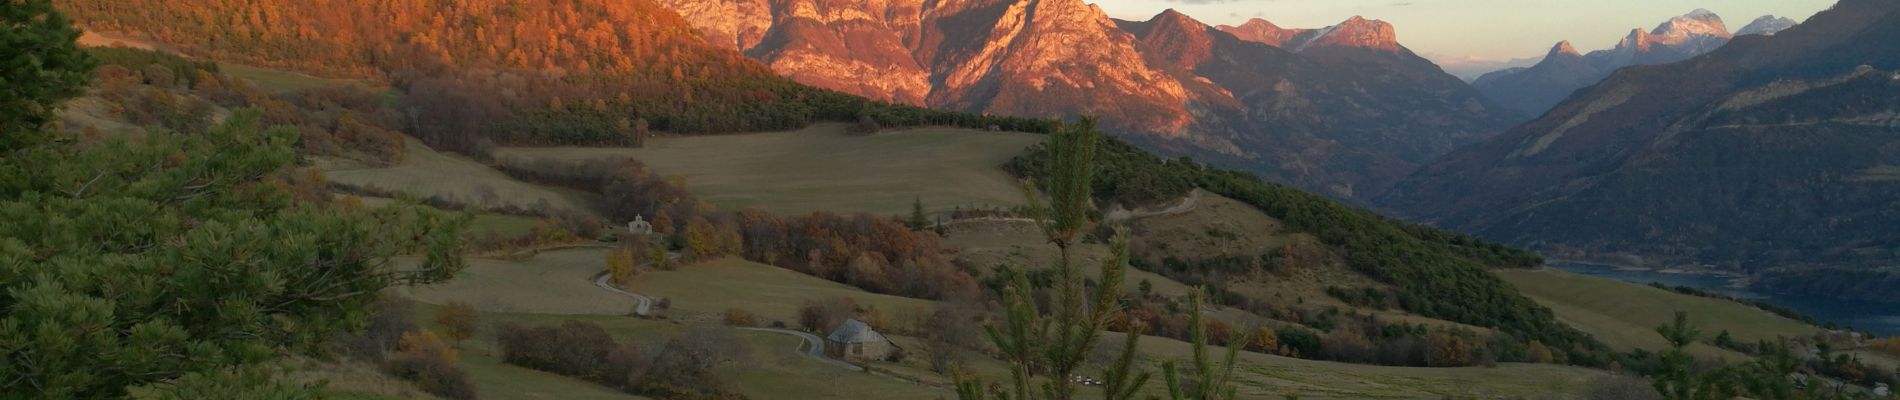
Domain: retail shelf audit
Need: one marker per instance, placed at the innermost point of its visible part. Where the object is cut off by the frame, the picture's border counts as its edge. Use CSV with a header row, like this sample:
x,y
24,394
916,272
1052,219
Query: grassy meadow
x,y
1625,315
557,282
426,172
772,293
826,168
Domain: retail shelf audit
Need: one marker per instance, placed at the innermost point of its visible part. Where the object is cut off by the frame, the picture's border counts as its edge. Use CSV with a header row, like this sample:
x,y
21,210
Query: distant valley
x,y
1535,89
1767,156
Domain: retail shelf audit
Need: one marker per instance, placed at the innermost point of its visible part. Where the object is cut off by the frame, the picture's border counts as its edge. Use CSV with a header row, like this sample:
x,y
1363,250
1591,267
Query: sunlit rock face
x,y
1343,109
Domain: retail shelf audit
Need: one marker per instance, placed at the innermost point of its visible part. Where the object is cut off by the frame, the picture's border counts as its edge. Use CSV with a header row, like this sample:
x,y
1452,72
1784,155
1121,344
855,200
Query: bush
x,y
458,321
388,321
823,316
743,318
576,349
428,362
433,376
684,368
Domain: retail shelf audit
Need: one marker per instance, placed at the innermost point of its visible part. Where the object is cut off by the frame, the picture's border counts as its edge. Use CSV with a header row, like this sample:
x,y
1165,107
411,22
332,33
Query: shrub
x,y
684,368
823,316
738,317
428,362
388,321
1538,353
1445,350
573,348
458,321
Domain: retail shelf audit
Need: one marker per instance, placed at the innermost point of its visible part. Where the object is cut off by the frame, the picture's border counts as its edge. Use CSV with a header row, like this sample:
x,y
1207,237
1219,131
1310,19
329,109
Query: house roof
x,y
854,331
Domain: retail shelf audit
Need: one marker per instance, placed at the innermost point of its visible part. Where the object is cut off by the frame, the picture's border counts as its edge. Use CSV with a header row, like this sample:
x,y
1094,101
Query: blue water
x,y
1881,319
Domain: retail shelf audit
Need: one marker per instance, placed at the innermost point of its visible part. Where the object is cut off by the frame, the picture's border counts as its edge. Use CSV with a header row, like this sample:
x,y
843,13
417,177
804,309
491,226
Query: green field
x,y
772,369
495,380
484,223
1265,376
1625,315
556,282
825,168
771,292
426,172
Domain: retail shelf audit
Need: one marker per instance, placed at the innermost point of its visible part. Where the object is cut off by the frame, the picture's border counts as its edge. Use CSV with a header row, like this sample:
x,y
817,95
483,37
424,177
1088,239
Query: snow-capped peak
x,y
1698,23
1767,25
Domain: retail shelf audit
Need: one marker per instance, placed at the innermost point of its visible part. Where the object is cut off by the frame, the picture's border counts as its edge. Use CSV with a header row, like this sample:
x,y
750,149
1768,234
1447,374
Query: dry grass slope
x,y
557,282
1625,315
826,168
773,293
426,172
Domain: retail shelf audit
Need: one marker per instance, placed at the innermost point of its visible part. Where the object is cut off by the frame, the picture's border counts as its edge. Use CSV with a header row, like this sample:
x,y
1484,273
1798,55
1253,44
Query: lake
x,y
1880,319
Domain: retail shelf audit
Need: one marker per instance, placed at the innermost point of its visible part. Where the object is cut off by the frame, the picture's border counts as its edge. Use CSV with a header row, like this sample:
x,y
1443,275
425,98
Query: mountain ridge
x,y
1534,90
1062,58
1764,153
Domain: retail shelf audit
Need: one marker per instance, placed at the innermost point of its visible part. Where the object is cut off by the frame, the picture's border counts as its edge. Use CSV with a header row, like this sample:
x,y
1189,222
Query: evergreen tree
x,y
1678,379
42,67
1044,348
129,264
1205,382
917,220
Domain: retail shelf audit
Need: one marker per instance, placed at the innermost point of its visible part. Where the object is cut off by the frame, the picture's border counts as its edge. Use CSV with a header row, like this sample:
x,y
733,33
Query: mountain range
x,y
1343,110
1535,89
1771,152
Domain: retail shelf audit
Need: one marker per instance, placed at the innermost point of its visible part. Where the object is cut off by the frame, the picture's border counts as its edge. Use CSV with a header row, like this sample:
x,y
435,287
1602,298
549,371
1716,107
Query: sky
x,y
1476,30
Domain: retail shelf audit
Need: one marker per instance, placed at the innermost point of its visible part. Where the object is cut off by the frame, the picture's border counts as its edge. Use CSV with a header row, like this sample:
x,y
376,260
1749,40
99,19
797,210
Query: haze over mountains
x,y
1535,89
1344,110
1773,152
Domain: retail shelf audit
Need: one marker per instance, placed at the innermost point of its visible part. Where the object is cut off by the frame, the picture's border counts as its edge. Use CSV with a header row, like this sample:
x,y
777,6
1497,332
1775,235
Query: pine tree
x,y
42,68
1044,348
128,264
1678,380
917,221
1205,382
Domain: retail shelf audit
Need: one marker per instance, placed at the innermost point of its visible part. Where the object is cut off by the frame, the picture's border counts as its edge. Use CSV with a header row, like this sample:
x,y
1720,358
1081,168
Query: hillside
x,y
477,73
1765,153
823,168
1343,114
1535,89
1432,273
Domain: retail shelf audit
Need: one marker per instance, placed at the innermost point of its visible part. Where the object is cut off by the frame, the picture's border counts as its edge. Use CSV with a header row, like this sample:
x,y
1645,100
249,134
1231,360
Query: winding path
x,y
814,347
643,308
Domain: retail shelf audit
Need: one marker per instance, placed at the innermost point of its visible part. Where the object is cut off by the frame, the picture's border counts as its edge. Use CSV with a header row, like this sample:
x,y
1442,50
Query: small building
x,y
639,226
1882,391
856,342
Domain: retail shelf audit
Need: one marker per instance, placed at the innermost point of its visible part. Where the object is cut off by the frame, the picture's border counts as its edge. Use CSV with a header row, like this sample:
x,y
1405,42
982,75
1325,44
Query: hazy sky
x,y
1489,29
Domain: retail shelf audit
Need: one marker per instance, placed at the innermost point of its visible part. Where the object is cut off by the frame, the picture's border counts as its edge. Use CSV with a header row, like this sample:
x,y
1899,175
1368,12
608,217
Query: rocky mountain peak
x,y
1355,32
1183,41
1767,25
1176,20
1638,40
1696,32
1564,49
1260,30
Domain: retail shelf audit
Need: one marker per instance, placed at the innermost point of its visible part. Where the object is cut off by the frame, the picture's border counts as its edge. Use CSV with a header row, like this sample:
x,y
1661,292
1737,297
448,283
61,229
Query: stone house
x,y
856,342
